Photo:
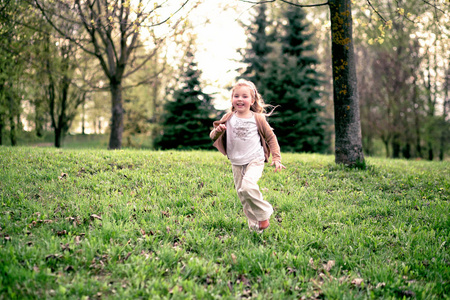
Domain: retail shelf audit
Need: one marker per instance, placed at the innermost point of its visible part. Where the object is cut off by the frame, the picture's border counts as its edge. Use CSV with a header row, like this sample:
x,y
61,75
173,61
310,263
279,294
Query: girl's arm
x,y
217,131
272,142
219,127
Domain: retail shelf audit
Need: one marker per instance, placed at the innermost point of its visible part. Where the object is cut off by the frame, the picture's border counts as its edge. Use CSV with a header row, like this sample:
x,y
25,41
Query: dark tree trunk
x,y
347,122
58,137
430,151
12,123
442,140
407,151
83,119
115,138
1,130
62,125
38,119
395,147
417,122
2,120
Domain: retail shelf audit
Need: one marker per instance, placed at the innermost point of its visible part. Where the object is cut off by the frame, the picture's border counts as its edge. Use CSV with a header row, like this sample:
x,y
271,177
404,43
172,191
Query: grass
x,y
70,141
85,224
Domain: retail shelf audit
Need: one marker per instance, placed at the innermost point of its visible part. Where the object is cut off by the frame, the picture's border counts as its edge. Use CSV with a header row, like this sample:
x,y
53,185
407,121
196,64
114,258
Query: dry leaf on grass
x,y
233,258
311,263
94,216
329,265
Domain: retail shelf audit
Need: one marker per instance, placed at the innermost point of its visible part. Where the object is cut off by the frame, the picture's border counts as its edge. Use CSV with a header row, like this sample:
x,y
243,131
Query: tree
x,y
144,104
445,135
348,141
256,55
348,138
13,58
189,115
403,63
109,30
63,97
291,82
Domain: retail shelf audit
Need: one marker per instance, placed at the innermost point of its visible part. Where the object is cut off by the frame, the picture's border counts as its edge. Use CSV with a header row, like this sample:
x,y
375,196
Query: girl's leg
x,y
255,207
238,175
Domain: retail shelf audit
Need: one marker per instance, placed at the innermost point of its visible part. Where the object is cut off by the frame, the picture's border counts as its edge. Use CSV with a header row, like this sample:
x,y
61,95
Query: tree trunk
x,y
430,151
12,123
58,137
61,125
83,118
444,114
395,146
407,151
115,138
386,146
347,122
38,121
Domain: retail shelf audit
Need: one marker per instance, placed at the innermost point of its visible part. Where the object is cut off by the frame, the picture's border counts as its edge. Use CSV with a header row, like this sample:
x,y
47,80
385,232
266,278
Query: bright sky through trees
x,y
219,36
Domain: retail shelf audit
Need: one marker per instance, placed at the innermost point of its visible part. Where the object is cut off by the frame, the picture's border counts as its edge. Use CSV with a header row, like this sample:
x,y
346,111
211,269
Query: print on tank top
x,y
241,129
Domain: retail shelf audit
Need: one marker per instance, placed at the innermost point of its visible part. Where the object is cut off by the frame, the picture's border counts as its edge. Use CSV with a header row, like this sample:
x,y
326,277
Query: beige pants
x,y
246,182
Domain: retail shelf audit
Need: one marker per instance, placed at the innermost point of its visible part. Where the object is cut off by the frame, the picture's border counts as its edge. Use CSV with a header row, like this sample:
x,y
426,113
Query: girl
x,y
245,137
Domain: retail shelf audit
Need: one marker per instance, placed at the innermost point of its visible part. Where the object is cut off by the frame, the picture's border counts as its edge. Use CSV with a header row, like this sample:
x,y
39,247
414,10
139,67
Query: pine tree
x,y
290,81
255,56
189,116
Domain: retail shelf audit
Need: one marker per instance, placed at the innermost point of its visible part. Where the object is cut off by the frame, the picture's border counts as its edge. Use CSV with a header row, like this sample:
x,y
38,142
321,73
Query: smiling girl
x,y
245,137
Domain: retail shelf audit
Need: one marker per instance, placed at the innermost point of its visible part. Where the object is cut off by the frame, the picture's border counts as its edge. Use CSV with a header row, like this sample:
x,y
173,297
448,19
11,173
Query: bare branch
x,y
147,58
376,11
63,34
168,18
434,5
257,2
91,31
301,5
4,5
285,1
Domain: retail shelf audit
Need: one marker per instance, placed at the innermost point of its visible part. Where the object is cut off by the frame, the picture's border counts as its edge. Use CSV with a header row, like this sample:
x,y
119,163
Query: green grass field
x,y
89,224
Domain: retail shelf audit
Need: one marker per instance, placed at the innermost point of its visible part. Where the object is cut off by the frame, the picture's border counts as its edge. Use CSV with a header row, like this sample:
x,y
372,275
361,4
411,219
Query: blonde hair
x,y
258,105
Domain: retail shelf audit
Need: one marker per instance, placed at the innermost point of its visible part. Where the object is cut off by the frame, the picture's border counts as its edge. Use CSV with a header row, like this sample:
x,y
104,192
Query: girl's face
x,y
242,100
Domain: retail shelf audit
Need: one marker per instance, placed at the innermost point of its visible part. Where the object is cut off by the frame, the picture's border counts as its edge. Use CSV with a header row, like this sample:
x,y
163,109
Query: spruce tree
x,y
291,81
259,47
189,116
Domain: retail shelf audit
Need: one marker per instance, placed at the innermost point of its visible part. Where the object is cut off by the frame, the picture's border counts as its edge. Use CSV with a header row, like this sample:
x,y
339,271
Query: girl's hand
x,y
221,128
278,165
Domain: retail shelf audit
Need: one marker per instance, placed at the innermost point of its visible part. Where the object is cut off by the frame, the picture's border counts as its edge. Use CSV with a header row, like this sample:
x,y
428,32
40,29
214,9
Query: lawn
x,y
89,224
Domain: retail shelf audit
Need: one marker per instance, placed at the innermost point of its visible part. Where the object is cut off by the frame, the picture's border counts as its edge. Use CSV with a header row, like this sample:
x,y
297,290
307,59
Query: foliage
x,y
167,224
402,77
255,57
289,80
144,103
110,31
189,116
13,59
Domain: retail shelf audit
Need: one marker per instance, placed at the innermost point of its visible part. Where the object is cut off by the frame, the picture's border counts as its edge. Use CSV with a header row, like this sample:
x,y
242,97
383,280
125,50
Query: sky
x,y
218,42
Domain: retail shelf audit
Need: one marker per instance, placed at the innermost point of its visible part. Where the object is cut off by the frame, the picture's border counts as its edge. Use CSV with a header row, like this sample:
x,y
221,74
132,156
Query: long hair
x,y
258,105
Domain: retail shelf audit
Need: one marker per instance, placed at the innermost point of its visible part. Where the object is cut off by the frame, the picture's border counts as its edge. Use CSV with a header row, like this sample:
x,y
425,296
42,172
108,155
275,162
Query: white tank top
x,y
243,141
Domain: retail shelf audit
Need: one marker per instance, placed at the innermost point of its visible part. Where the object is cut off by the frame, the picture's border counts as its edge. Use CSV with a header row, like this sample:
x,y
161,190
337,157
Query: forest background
x,y
60,77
